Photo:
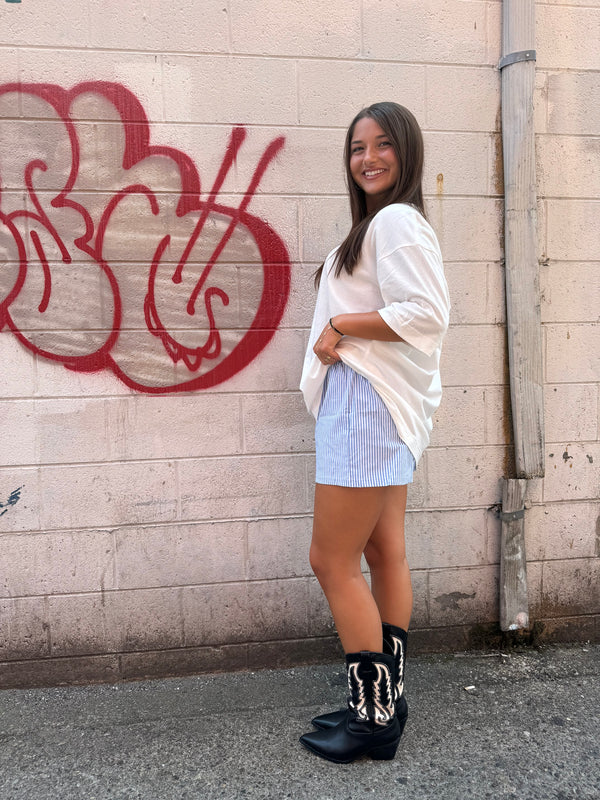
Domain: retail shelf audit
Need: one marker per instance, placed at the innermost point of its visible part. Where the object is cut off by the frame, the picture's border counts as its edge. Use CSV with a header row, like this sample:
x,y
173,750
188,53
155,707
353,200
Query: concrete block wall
x,y
564,533
151,525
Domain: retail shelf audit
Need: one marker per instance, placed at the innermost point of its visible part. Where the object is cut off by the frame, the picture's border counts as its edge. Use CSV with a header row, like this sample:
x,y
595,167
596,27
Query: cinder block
x,y
494,535
574,103
10,55
558,531
72,430
216,614
465,476
572,472
440,539
56,563
534,589
242,612
19,380
295,28
468,229
183,661
277,423
571,587
78,625
325,222
572,353
571,412
139,72
462,161
23,628
303,295
180,555
116,622
420,587
292,653
51,25
145,619
280,213
572,235
540,102
52,672
310,161
174,426
20,499
278,609
463,596
333,92
230,88
107,494
206,145
184,26
18,441
454,32
565,291
253,486
474,355
54,380
566,36
498,422
479,88
460,418
476,293
568,166
494,32
278,548
277,368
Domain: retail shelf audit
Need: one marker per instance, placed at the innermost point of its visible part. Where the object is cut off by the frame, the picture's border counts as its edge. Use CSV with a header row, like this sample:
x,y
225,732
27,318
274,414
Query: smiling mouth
x,y
373,173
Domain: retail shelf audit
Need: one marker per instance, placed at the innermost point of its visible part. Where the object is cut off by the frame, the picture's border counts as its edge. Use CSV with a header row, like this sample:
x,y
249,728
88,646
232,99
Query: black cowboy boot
x,y
371,727
394,644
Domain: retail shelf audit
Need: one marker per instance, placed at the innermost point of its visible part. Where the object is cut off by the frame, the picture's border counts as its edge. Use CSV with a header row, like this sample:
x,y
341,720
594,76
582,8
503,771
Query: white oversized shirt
x,y
400,274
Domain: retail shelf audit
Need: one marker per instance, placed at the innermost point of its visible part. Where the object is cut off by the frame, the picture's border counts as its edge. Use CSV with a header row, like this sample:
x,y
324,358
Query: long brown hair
x,y
404,133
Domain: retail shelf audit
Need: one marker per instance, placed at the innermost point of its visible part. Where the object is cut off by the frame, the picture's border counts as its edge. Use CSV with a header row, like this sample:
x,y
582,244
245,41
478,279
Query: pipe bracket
x,y
512,516
513,58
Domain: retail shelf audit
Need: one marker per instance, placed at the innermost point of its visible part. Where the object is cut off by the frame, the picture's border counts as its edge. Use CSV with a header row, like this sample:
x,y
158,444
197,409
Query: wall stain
x,y
450,601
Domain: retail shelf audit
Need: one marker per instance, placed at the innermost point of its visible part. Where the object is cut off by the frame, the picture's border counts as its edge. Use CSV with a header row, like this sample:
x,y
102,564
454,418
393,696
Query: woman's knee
x,y
329,568
378,557
373,555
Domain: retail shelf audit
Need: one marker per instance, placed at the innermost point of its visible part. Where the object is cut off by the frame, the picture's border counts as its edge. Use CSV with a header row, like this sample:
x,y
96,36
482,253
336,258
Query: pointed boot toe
x,y
370,726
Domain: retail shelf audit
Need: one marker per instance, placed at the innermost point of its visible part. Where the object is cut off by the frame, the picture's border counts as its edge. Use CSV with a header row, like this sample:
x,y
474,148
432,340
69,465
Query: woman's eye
x,y
356,150
385,144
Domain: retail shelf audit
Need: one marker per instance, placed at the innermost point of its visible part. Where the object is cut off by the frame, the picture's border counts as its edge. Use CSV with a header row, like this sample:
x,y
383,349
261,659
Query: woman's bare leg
x,y
386,556
344,520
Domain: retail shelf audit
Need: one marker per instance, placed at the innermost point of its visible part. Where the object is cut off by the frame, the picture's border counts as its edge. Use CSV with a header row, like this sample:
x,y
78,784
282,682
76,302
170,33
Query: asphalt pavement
x,y
521,724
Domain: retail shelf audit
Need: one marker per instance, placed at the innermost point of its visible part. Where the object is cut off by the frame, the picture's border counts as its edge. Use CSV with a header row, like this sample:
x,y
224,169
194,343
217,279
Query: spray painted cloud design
x,y
112,258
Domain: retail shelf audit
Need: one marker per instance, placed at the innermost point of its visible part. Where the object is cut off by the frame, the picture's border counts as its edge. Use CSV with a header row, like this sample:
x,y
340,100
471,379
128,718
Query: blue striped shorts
x,y
357,442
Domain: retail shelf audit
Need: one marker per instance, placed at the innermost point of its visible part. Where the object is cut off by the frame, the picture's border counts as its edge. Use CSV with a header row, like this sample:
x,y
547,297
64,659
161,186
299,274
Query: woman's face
x,y
373,162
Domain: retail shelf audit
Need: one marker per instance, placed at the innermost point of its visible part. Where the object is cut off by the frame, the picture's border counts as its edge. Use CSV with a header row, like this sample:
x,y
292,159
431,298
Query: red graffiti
x,y
111,256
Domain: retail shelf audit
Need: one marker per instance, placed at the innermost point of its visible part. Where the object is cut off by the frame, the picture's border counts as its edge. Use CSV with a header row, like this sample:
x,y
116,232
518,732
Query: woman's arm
x,y
369,325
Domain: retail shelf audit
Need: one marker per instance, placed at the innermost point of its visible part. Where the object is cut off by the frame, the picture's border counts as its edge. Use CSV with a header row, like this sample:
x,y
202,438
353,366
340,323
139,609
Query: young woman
x,y
371,377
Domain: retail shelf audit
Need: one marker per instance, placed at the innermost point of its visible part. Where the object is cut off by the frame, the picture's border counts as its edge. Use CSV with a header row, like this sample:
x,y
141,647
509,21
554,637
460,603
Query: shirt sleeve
x,y
415,293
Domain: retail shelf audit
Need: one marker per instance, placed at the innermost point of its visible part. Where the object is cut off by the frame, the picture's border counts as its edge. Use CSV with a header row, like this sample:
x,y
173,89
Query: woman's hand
x,y
325,346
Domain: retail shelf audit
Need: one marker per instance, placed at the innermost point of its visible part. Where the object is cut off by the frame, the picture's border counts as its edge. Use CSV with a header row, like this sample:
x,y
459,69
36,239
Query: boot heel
x,y
384,753
402,721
